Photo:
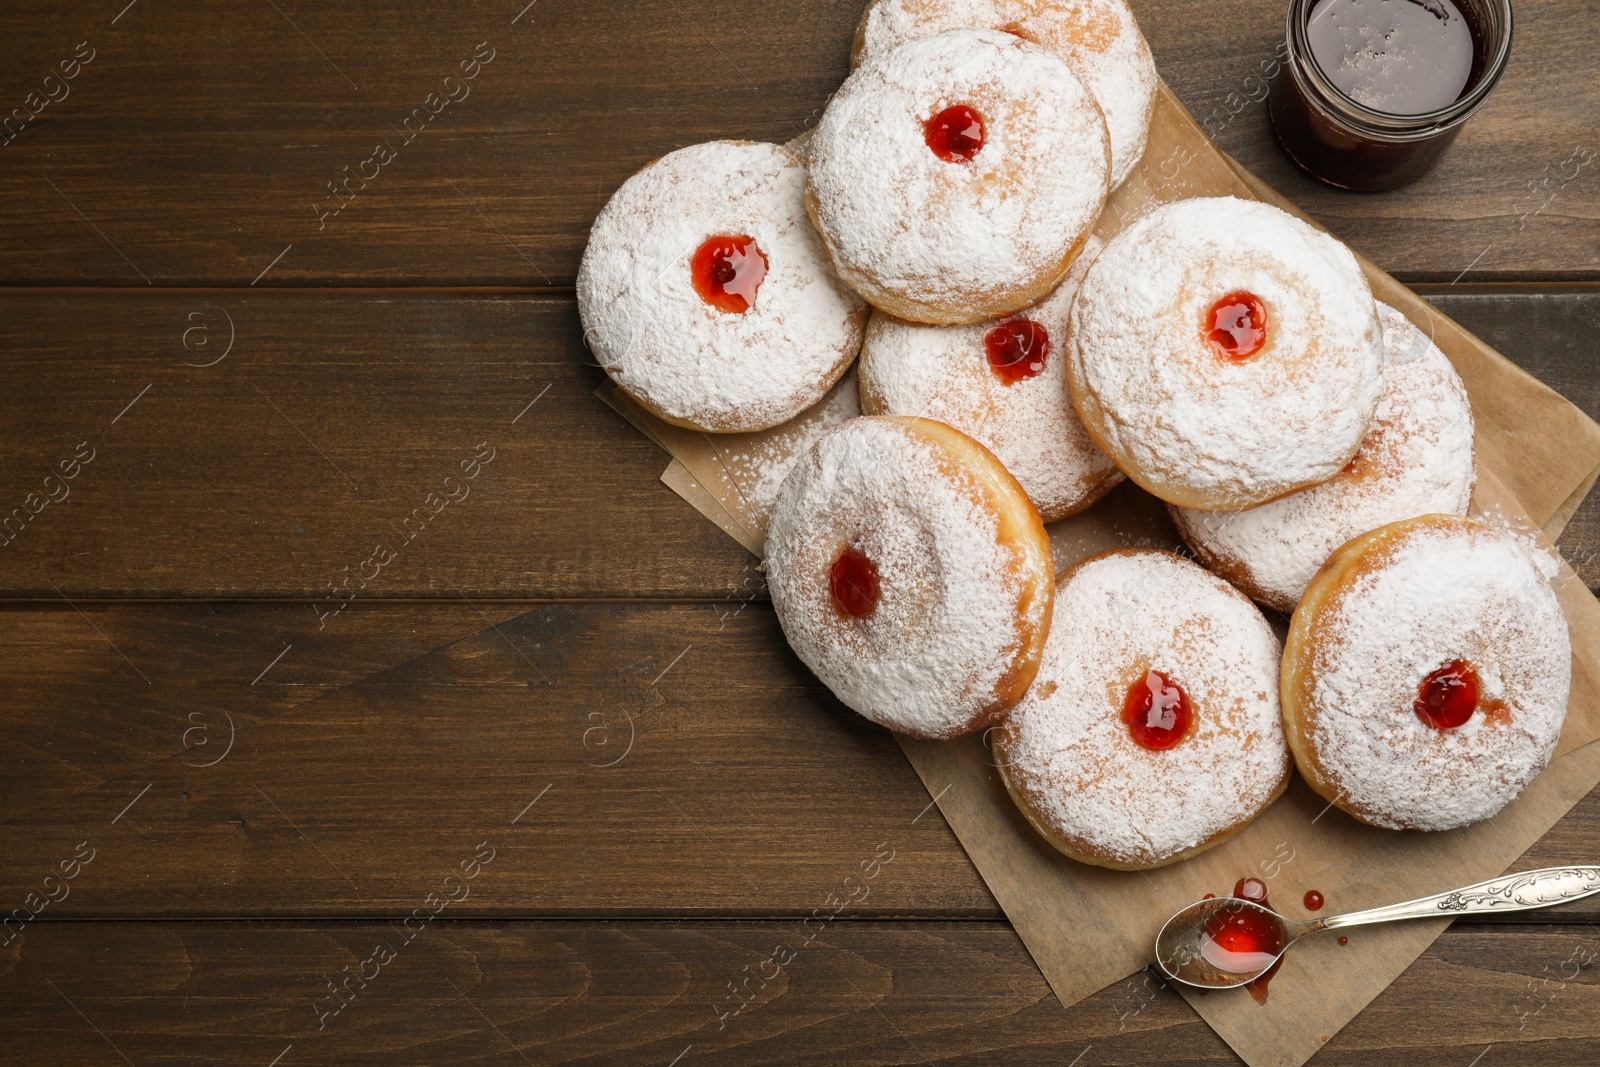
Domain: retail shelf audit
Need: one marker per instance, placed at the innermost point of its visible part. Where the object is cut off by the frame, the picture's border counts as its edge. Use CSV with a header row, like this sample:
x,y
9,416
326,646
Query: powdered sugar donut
x,y
1004,384
1426,673
707,296
1152,731
1224,353
1099,39
911,574
954,178
1417,459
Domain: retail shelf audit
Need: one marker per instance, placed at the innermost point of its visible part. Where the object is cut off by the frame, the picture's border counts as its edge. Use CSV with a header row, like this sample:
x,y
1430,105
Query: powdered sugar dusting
x,y
1180,418
946,631
943,372
1066,749
1518,526
958,241
1099,40
1439,592
666,346
1417,459
754,468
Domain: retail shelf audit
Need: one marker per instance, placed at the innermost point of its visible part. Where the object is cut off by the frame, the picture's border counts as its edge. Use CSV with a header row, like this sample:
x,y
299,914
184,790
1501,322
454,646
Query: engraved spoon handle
x,y
1509,892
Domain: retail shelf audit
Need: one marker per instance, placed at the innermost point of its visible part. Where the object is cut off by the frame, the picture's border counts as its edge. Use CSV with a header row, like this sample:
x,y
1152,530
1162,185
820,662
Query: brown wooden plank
x,y
101,692
279,470
201,140
692,765
198,144
271,472
647,992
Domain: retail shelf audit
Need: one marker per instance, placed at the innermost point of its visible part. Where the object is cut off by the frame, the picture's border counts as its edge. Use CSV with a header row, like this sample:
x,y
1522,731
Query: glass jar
x,y
1346,144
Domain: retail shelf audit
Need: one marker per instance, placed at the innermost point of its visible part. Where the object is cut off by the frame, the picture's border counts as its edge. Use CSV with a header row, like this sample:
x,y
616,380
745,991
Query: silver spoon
x,y
1225,942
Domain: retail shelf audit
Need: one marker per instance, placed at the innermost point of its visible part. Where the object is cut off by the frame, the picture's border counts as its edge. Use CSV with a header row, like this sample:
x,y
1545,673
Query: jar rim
x,y
1422,124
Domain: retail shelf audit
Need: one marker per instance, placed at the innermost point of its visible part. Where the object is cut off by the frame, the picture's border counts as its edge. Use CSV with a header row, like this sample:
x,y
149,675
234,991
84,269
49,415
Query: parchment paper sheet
x,y
1087,927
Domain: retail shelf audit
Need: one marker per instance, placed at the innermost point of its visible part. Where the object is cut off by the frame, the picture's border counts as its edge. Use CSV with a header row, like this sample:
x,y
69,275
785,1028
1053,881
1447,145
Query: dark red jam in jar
x,y
955,134
853,581
728,272
1017,349
1372,92
1156,711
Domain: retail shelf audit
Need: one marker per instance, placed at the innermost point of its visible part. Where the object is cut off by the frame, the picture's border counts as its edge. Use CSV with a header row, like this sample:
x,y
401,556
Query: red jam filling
x,y
727,272
955,134
1241,939
1252,936
1448,697
1156,711
1314,900
1017,349
1237,325
853,580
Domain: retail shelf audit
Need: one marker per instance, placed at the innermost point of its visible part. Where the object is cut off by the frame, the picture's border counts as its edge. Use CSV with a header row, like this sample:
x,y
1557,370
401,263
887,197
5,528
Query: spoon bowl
x,y
1226,942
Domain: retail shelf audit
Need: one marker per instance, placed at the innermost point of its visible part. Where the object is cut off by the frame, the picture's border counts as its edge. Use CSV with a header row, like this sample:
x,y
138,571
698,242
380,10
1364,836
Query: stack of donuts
x,y
1314,448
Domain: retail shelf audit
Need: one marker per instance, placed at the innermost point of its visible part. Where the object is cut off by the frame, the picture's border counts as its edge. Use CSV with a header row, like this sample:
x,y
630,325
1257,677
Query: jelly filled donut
x,y
1426,672
1152,731
1003,383
1223,353
707,296
954,178
1098,39
1417,459
911,574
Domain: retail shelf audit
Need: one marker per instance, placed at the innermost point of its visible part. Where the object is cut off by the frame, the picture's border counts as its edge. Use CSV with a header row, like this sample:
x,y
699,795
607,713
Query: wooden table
x,y
380,702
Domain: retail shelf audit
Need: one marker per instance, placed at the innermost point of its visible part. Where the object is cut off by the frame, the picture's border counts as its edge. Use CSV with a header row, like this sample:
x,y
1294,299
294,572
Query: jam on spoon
x,y
1228,942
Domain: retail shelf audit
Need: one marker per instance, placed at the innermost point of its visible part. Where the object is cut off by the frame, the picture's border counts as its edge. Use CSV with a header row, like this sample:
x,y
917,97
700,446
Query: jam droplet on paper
x,y
728,271
1344,940
1237,325
1252,889
1448,697
955,134
1156,711
853,581
1258,986
1017,349
1313,900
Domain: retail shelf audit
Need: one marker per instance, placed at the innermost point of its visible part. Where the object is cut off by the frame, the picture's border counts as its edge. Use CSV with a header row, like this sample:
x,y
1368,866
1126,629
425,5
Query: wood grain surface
x,y
270,472
94,693
354,582
677,758
647,992
198,145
